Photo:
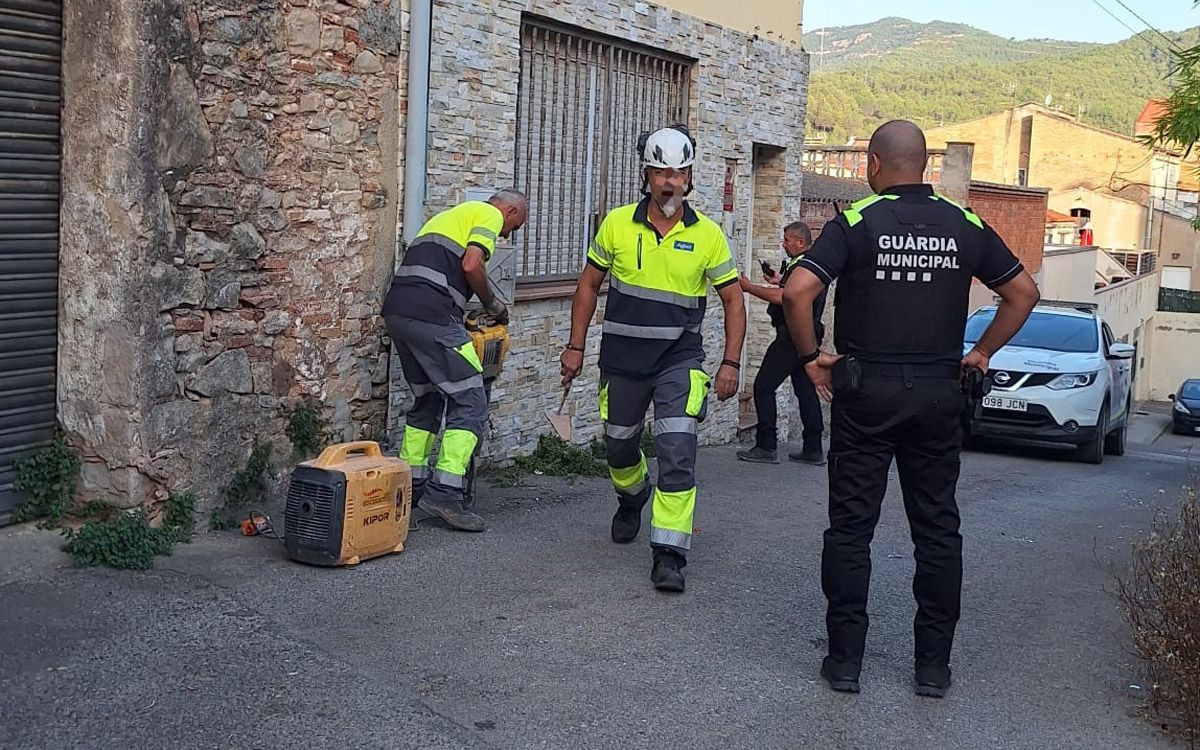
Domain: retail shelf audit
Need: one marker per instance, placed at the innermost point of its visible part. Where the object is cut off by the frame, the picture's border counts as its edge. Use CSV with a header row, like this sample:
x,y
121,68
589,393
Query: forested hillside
x,y
943,73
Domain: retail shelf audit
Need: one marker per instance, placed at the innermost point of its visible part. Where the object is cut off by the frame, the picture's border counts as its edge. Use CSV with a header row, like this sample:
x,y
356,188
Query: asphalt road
x,y
541,633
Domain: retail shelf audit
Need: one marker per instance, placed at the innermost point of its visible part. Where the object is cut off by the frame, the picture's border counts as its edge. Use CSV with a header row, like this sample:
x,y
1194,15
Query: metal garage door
x,y
30,63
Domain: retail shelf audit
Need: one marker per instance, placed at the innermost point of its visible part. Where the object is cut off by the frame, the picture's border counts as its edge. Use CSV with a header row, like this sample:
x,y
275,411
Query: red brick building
x,y
1018,214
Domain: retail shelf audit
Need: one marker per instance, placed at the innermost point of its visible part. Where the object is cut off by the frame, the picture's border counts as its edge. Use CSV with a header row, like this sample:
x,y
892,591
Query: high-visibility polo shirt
x,y
430,284
658,287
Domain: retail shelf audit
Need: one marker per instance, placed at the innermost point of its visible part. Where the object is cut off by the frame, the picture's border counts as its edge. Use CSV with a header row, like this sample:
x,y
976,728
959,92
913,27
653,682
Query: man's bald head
x,y
899,156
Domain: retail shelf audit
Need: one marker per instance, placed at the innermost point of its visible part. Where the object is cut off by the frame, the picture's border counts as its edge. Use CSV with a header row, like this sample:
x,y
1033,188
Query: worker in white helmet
x,y
661,256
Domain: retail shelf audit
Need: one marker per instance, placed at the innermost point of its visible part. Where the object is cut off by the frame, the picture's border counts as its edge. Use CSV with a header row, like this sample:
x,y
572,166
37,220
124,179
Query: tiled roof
x,y
820,187
1152,112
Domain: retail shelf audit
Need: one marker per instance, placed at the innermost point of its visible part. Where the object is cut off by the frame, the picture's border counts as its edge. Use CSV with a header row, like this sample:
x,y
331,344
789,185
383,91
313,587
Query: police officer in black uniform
x,y
779,364
903,259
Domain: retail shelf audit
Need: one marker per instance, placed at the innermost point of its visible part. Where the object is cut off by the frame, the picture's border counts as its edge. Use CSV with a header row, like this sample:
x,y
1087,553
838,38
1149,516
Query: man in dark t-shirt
x,y
904,259
780,363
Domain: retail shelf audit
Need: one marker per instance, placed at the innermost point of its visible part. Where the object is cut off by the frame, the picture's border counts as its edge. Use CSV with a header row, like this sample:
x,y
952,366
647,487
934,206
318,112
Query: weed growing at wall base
x,y
556,458
247,486
127,541
48,480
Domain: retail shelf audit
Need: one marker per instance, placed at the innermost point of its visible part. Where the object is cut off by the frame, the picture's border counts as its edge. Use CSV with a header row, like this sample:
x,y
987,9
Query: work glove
x,y
497,310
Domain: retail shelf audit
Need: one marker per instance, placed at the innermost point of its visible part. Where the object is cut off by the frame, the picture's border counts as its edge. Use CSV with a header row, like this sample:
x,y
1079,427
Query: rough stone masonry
x,y
229,208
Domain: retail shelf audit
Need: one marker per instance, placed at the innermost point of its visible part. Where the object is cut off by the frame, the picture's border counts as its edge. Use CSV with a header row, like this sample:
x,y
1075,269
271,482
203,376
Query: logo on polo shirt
x,y
688,246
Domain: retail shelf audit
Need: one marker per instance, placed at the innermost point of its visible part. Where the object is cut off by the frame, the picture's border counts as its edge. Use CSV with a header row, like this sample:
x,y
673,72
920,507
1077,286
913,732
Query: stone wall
x,y
228,229
743,91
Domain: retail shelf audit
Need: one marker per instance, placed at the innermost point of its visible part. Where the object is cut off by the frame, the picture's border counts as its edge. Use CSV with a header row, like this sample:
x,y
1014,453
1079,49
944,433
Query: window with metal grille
x,y
583,101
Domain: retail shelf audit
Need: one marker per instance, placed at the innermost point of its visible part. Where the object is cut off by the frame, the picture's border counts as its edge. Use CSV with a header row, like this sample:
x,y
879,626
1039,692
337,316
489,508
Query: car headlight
x,y
1179,407
1072,380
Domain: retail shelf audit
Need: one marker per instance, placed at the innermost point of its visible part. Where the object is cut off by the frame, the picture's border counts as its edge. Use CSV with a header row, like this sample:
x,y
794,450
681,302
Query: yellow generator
x,y
349,504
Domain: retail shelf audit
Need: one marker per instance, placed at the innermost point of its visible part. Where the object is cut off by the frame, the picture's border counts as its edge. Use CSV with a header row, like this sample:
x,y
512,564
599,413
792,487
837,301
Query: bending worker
x,y
780,364
662,256
904,259
443,267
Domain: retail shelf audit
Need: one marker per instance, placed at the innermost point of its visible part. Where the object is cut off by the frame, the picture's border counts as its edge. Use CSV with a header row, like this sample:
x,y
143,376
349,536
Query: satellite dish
x,y
1049,98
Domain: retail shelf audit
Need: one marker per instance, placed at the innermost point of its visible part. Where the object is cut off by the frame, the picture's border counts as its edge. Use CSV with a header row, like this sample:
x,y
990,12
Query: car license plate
x,y
1008,404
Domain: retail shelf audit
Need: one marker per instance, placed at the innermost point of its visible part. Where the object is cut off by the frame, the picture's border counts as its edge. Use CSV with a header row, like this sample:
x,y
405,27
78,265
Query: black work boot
x,y
628,519
758,455
454,514
841,676
931,681
667,573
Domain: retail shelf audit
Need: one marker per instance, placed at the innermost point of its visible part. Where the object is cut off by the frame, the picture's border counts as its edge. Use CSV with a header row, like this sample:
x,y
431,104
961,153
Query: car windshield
x,y
1059,333
1190,390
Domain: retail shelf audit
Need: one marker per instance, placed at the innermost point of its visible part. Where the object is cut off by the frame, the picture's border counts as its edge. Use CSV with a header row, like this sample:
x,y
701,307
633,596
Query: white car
x,y
1063,380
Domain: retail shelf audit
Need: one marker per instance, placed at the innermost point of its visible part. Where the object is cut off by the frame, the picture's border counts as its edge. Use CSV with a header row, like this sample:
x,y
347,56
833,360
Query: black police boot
x,y
932,681
809,455
667,573
628,519
841,676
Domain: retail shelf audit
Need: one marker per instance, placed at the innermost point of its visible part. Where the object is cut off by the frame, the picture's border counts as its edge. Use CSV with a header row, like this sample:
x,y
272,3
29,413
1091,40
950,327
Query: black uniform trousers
x,y
779,364
915,420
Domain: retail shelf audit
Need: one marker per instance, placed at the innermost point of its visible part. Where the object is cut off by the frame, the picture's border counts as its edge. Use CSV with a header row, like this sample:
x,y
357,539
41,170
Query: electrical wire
x,y
262,522
1137,34
1170,41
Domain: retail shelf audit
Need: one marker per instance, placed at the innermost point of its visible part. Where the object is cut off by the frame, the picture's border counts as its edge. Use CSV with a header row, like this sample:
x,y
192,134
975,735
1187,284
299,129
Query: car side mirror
x,y
1170,396
1121,351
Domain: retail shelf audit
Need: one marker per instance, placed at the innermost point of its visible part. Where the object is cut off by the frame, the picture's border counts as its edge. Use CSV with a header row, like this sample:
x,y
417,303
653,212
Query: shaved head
x,y
900,145
898,151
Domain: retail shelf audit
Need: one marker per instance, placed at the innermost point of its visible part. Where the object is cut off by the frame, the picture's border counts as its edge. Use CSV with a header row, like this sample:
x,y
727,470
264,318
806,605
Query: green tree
x,y
1180,124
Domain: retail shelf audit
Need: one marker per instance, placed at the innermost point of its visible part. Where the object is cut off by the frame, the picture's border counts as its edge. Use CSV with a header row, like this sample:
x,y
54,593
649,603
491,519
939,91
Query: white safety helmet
x,y
668,148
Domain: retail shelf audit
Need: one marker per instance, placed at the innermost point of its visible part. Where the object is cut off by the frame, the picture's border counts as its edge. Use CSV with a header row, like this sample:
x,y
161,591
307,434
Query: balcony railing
x,y
849,162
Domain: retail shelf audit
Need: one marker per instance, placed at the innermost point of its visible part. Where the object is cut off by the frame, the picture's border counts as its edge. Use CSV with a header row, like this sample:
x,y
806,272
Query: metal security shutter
x,y
584,98
30,64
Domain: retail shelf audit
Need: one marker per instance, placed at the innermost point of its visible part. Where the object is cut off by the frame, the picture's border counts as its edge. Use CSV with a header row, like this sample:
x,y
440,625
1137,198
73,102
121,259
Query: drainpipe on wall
x,y
416,128
416,139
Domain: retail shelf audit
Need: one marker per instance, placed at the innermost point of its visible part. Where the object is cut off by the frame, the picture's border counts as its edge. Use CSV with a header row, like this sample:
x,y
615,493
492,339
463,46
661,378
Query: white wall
x,y
1068,275
1128,305
1174,347
1177,277
1129,309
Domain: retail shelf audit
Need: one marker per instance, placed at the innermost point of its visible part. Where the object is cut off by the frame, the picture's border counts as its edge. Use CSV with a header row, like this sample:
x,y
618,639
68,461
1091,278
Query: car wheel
x,y
1114,444
1092,452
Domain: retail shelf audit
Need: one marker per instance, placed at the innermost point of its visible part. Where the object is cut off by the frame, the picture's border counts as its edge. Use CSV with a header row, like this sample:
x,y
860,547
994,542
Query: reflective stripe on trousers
x,y
679,395
443,372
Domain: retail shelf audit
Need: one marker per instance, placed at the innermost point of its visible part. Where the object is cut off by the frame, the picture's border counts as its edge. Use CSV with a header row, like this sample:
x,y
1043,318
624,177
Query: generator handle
x,y
336,454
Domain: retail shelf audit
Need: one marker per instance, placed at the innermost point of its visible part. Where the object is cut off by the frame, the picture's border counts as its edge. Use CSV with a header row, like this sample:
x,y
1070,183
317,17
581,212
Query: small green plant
x,y
127,541
48,480
304,430
180,515
557,458
247,486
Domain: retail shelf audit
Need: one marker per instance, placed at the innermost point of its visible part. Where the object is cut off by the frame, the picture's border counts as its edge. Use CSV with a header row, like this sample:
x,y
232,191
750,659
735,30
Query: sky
x,y
1072,20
